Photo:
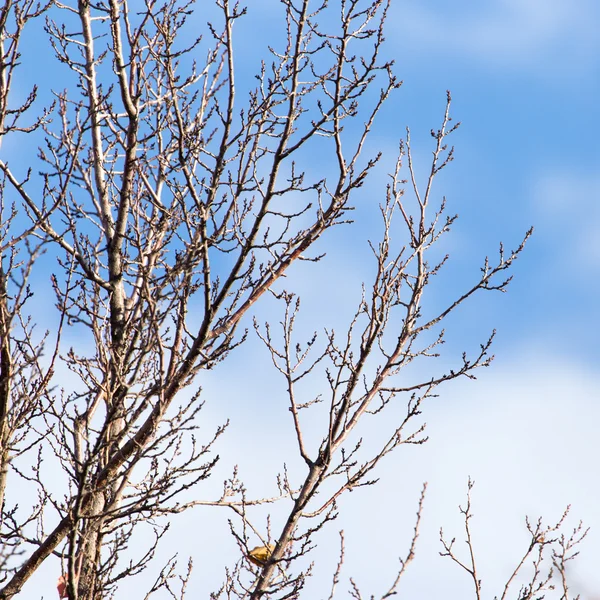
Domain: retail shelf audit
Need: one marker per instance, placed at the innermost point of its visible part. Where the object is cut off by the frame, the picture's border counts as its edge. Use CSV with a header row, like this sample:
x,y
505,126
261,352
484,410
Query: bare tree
x,y
171,203
548,545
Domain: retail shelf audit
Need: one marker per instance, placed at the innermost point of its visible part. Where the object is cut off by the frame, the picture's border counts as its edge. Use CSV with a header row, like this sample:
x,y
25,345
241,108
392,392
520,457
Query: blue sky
x,y
525,81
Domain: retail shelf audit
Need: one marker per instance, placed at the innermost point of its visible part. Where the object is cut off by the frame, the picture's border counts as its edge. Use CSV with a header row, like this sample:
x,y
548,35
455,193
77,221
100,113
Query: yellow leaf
x,y
261,554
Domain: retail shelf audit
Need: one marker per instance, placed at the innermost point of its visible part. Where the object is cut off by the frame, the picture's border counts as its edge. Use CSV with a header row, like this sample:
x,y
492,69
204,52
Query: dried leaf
x,y
61,586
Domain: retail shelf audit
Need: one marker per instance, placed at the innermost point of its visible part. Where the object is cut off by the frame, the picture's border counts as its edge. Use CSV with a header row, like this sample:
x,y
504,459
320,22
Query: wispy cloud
x,y
567,205
552,34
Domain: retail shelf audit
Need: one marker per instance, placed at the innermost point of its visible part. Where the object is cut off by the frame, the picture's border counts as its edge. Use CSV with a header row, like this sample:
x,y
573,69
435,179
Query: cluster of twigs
x,y
168,204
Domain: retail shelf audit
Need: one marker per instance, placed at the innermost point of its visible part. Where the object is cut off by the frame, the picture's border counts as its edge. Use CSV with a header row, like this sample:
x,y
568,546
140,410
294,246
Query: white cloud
x,y
527,434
